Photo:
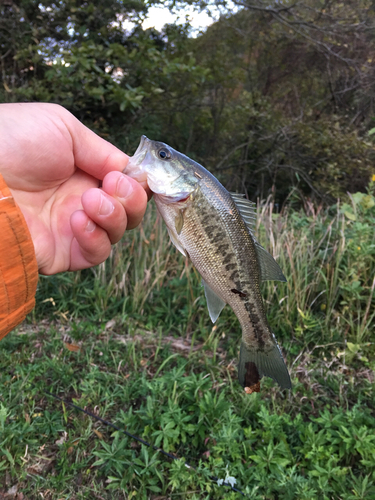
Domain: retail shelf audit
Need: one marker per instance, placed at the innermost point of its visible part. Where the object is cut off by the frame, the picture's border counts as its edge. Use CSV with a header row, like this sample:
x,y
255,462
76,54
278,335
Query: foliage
x,y
143,354
275,98
272,97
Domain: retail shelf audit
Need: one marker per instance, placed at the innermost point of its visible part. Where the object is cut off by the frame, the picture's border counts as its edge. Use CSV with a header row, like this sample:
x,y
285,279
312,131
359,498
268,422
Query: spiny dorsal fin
x,y
269,268
246,209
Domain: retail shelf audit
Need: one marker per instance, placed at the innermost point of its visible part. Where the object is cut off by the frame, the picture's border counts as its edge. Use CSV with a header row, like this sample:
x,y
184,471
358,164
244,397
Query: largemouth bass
x,y
214,228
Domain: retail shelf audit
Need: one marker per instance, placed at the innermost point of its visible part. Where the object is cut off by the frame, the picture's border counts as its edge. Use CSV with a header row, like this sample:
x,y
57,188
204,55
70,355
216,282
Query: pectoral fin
x,y
179,221
214,303
176,243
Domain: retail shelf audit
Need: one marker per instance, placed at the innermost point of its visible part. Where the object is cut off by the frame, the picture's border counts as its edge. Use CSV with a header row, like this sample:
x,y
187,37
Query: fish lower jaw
x,y
135,173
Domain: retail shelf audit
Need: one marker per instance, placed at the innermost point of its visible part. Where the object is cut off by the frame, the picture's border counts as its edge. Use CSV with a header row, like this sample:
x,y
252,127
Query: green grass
x,y
151,361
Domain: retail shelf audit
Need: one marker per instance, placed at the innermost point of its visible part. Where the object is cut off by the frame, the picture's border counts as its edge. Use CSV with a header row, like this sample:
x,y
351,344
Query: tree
x,y
275,96
305,71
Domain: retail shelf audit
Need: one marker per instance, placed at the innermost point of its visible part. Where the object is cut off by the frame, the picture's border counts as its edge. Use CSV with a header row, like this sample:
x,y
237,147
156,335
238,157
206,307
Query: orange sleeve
x,y
18,266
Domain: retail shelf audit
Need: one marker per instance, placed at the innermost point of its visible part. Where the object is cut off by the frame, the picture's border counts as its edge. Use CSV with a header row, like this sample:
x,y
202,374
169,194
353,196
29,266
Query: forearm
x,y
18,266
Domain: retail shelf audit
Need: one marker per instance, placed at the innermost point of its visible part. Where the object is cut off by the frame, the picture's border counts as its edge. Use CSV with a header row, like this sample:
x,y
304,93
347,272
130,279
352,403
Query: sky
x,y
158,16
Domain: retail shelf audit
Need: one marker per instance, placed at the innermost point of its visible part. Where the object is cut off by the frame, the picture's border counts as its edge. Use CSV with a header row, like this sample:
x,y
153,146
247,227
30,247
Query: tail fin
x,y
254,364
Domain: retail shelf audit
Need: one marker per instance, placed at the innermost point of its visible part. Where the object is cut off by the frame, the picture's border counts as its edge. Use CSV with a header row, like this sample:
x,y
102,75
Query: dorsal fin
x,y
246,209
269,268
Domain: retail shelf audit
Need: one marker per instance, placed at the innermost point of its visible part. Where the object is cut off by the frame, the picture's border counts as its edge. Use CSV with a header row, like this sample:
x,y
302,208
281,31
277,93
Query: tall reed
x,y
328,261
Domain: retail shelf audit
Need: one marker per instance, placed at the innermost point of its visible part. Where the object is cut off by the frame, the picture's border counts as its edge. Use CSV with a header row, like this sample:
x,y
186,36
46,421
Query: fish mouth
x,y
134,168
141,151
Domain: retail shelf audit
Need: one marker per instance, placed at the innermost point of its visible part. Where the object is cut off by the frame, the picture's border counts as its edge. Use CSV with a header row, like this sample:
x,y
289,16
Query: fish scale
x,y
206,224
236,268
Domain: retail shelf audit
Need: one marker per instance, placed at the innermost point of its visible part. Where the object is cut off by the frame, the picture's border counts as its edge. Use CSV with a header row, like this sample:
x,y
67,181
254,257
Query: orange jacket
x,y
18,266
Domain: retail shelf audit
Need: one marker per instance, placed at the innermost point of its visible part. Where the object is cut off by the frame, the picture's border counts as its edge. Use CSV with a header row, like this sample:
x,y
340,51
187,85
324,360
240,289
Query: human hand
x,y
53,166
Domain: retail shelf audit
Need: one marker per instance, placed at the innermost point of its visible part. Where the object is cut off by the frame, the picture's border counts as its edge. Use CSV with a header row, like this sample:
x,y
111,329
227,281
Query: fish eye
x,y
164,154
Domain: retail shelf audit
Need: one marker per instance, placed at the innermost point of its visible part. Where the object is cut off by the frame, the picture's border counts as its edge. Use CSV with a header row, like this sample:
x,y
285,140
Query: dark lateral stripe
x,y
241,294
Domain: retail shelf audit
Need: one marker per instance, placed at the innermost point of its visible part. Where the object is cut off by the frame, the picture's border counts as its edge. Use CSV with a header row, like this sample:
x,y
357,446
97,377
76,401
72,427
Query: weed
x,y
149,359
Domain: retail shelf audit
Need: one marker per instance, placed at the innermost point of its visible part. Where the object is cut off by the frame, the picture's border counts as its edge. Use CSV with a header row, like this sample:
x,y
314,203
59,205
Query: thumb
x,y
92,154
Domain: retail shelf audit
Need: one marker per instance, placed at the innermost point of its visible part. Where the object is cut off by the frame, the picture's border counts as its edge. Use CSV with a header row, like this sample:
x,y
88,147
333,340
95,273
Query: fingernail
x,y
106,207
124,187
90,226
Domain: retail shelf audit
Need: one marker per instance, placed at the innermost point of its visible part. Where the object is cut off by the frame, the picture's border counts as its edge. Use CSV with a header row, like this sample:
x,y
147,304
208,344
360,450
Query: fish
x,y
215,230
